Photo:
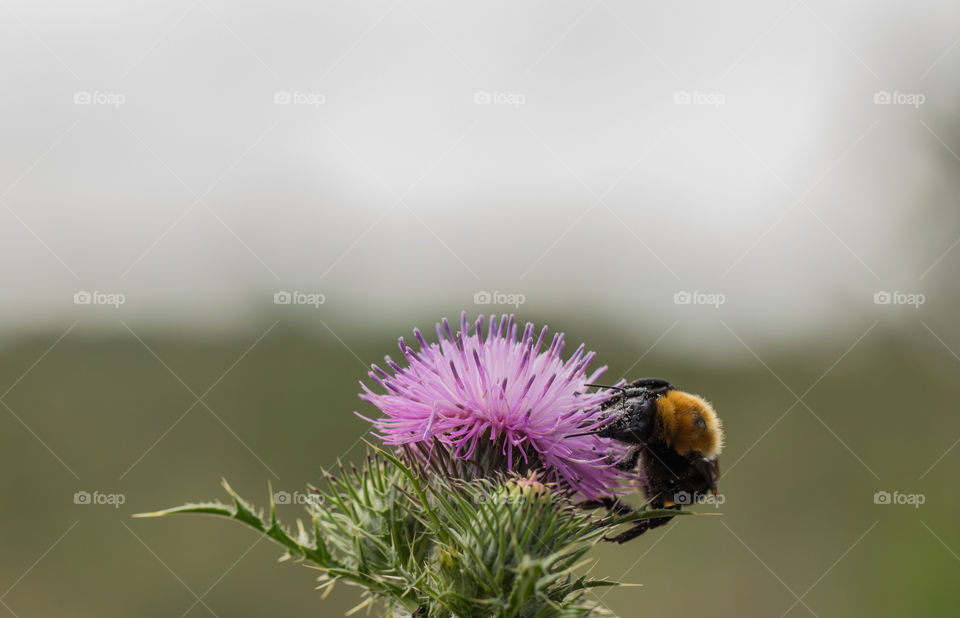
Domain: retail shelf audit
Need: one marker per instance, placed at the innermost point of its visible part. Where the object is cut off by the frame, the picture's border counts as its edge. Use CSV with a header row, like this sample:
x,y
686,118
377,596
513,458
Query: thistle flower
x,y
493,527
494,397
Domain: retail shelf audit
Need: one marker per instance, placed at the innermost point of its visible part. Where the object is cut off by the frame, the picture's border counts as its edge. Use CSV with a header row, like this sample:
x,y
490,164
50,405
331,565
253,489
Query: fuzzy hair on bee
x,y
675,440
690,424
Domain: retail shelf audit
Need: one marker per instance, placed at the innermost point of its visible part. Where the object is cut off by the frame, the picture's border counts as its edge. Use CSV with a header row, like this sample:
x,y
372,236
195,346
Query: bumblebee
x,y
675,438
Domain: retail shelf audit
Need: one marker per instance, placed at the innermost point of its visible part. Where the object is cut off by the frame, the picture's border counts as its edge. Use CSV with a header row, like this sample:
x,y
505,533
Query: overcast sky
x,y
786,160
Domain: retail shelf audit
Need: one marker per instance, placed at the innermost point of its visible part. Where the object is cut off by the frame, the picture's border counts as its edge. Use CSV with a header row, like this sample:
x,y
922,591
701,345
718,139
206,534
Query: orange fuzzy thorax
x,y
690,424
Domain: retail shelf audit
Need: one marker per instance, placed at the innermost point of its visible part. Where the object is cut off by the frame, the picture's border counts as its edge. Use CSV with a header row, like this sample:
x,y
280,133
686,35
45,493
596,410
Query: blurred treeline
x,y
798,487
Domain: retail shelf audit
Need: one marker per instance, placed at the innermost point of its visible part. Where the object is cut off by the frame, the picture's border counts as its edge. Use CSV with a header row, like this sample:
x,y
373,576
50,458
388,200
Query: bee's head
x,y
690,424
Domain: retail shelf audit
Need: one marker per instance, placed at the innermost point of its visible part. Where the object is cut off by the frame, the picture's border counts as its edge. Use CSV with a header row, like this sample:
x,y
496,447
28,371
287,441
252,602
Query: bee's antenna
x,y
619,388
585,433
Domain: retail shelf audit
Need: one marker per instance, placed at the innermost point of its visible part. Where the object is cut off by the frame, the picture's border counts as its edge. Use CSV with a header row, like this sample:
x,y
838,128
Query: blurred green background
x,y
799,516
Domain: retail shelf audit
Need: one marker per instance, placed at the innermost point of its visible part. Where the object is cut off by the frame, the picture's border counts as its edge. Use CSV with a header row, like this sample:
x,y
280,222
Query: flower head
x,y
493,395
528,485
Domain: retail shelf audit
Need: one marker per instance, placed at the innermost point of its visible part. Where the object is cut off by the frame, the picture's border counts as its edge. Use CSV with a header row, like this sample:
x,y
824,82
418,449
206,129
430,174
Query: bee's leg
x,y
629,461
611,504
639,528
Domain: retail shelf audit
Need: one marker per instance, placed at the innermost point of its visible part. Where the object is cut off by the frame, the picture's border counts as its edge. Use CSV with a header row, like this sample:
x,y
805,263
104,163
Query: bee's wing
x,y
709,471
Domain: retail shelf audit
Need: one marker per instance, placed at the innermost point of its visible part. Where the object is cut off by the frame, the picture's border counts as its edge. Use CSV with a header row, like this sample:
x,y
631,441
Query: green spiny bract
x,y
440,547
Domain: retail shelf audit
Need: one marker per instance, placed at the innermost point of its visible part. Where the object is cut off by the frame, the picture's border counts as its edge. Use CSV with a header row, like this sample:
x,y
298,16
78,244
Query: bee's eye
x,y
699,422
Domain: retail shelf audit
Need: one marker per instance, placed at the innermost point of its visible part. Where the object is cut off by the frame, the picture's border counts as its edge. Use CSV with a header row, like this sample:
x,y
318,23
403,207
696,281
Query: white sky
x,y
400,194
